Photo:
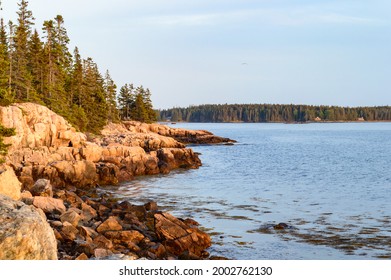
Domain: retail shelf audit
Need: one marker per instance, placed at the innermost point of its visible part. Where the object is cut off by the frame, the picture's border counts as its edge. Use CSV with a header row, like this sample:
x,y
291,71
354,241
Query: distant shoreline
x,y
309,122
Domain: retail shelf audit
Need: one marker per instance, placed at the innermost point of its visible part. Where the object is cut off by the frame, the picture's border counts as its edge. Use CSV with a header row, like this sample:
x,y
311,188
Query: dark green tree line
x,y
274,113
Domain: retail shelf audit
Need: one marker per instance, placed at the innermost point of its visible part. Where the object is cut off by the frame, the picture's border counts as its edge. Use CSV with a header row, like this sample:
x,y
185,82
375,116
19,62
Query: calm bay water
x,y
331,183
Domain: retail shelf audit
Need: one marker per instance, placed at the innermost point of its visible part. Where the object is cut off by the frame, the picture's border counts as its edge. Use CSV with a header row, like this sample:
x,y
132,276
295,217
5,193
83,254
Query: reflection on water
x,y
331,183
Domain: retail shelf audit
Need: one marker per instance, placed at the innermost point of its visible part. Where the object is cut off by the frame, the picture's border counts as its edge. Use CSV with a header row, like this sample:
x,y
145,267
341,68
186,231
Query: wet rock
x,y
102,242
120,237
24,232
218,258
49,205
86,248
132,246
178,237
103,210
158,250
191,222
88,213
42,187
71,217
69,232
138,210
281,226
69,197
111,224
88,233
151,206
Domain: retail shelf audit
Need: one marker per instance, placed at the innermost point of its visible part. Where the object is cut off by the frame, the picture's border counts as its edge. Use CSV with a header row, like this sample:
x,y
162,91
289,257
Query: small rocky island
x,y
49,204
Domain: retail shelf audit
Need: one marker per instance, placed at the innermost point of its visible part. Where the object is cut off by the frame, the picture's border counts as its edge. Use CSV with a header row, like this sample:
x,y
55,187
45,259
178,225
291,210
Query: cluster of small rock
x,y
92,226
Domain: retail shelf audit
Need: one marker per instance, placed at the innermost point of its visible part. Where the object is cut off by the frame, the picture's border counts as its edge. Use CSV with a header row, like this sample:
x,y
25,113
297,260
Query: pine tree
x,y
36,67
94,103
139,112
22,77
5,94
48,28
11,51
126,100
76,79
111,92
58,61
136,104
151,114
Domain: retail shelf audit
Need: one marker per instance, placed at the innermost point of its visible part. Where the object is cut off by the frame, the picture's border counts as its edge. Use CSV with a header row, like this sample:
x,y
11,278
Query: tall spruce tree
x,y
94,103
36,67
76,79
5,94
126,99
21,75
110,93
151,113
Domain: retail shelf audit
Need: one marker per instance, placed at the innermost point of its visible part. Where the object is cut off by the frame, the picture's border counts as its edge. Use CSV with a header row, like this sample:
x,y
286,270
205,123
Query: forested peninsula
x,y
274,113
65,133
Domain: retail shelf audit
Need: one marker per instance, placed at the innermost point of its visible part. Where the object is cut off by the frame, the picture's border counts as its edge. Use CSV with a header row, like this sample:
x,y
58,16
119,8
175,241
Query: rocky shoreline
x,y
58,169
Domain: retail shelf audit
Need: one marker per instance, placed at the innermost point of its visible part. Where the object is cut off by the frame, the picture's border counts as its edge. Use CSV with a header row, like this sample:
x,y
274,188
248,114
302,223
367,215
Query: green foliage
x,y
136,104
4,132
274,113
45,72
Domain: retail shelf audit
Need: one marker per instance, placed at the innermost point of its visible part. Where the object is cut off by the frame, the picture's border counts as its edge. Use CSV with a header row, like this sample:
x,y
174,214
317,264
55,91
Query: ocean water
x,y
329,182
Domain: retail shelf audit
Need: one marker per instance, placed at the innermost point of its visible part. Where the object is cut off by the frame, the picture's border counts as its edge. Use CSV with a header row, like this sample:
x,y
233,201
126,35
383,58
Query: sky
x,y
190,52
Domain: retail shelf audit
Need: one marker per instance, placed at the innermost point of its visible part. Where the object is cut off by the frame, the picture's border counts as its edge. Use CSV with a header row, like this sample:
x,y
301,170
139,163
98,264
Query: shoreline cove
x,y
60,168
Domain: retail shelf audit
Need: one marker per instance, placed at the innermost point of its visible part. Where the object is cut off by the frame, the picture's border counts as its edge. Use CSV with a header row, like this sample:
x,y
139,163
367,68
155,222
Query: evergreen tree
x,y
58,64
151,114
94,103
21,76
11,51
36,67
126,100
45,72
139,112
76,80
110,94
48,28
5,94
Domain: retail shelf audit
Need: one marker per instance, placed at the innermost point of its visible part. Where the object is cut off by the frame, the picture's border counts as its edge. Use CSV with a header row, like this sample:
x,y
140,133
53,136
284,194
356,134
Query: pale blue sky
x,y
224,51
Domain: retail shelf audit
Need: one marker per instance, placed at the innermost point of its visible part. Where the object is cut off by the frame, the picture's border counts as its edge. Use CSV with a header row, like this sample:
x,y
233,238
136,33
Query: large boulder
x,y
24,232
9,183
